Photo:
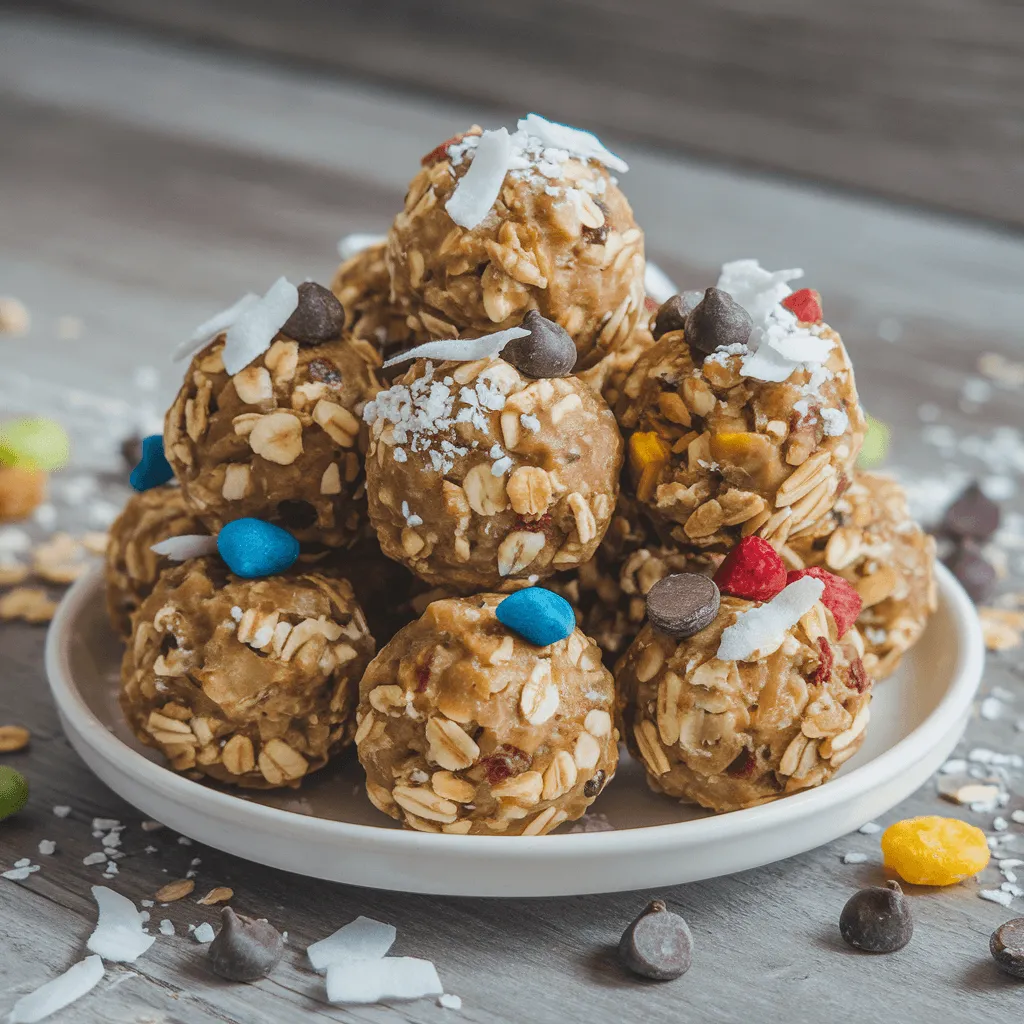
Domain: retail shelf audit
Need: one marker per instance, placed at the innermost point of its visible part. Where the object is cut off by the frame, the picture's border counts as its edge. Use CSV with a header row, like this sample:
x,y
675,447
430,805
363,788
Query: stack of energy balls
x,y
557,512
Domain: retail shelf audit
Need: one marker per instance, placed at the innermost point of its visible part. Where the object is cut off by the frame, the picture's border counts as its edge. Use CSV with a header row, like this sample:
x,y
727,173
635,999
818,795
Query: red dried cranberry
x,y
543,525
839,596
650,305
505,762
423,673
752,570
743,766
858,677
826,660
805,305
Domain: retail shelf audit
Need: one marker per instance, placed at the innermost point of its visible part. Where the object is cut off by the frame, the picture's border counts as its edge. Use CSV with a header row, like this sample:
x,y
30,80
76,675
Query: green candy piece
x,y
876,445
13,791
35,443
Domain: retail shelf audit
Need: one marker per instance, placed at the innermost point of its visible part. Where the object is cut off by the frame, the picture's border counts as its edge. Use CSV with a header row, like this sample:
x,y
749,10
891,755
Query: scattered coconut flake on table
x,y
188,545
870,828
251,334
361,939
21,871
855,858
118,934
358,242
463,350
761,630
1004,899
46,847
361,983
478,188
449,1002
211,328
166,927
204,933
62,991
657,283
574,140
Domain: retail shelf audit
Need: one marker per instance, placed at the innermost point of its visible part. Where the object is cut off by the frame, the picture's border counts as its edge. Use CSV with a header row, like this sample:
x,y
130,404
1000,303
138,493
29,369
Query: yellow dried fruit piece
x,y
739,447
934,851
647,454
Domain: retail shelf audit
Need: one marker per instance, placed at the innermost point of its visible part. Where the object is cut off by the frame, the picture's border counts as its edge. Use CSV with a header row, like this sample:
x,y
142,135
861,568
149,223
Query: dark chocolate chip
x,y
683,604
593,786
977,575
671,315
877,919
972,515
245,949
326,372
717,321
547,351
658,944
319,316
1007,946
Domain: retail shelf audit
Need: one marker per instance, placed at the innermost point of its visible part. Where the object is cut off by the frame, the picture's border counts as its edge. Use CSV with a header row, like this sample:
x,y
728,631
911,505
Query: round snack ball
x,y
132,568
727,734
560,238
606,372
934,851
726,442
464,727
251,682
280,440
481,478
870,540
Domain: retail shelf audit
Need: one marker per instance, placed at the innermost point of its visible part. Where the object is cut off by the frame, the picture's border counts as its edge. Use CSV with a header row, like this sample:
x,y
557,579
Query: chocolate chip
x,y
548,350
672,313
683,604
717,321
319,316
325,372
593,786
658,944
1007,946
975,572
972,515
877,919
245,949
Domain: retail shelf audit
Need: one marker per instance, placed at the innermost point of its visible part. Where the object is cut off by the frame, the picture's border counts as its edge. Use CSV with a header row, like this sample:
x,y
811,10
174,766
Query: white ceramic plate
x,y
330,830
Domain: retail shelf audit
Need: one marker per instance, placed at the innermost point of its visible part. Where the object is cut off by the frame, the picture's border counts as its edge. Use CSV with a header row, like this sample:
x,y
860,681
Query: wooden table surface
x,y
143,187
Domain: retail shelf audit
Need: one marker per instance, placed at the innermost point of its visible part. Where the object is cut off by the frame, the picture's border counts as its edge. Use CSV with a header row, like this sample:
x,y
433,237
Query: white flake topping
x,y
188,545
463,350
759,631
118,934
209,329
479,186
359,940
254,329
358,242
62,991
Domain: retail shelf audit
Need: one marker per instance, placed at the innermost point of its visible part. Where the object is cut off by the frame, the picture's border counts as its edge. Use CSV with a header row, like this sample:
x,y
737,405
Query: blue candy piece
x,y
537,615
253,548
153,469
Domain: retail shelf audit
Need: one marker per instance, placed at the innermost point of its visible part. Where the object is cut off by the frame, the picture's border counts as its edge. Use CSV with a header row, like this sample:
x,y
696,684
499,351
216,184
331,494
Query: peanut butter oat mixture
x,y
280,440
481,478
251,682
727,734
466,728
560,238
131,567
870,540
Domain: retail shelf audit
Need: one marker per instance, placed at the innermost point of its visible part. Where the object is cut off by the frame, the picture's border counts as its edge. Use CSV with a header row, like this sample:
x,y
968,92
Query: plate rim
x,y
950,713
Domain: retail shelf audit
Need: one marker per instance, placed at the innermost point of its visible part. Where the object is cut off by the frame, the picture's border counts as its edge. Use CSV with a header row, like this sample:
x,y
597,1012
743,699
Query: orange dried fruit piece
x,y
931,850
22,490
740,448
648,453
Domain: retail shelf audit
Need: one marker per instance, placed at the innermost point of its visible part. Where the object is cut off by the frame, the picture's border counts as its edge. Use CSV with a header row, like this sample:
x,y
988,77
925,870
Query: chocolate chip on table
x,y
972,515
683,604
319,316
977,575
877,919
245,949
548,350
658,944
1007,946
671,315
717,321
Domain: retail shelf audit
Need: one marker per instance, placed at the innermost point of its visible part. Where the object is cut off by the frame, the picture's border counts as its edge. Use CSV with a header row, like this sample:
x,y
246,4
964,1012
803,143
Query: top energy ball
x,y
744,415
497,224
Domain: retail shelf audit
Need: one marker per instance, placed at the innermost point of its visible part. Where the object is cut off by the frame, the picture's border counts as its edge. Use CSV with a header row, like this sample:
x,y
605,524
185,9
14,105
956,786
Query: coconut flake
x,y
361,939
188,545
62,810
362,983
46,847
211,328
575,140
758,632
254,329
764,363
62,991
449,1001
1004,899
204,933
463,350
166,927
657,283
479,186
835,422
118,934
358,242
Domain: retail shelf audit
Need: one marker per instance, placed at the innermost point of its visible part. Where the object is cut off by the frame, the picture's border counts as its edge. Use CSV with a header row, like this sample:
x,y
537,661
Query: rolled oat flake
x,y
683,604
245,949
658,944
548,350
671,315
319,316
717,321
1007,947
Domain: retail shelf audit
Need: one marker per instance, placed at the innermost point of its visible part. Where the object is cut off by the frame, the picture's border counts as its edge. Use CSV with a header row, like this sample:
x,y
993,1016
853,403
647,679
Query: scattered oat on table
x,y
219,895
29,604
174,890
13,738
1003,628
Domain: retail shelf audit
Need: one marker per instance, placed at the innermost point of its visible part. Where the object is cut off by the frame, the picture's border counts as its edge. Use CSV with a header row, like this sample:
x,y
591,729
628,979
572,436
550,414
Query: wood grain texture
x,y
914,99
142,188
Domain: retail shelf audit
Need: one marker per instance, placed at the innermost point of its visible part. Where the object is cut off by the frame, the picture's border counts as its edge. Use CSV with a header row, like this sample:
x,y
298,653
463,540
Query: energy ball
x,y
465,727
870,540
729,722
281,439
744,418
608,373
250,682
132,569
480,478
558,236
